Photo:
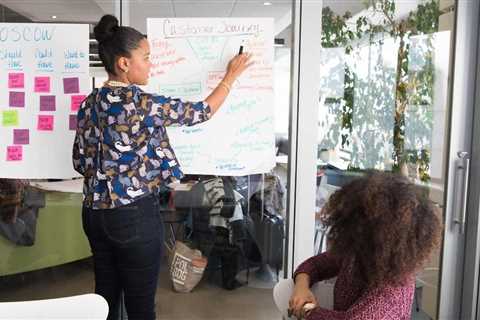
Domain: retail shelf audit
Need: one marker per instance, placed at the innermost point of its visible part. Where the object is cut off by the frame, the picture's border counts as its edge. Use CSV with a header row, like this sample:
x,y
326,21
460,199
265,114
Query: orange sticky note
x,y
45,123
14,153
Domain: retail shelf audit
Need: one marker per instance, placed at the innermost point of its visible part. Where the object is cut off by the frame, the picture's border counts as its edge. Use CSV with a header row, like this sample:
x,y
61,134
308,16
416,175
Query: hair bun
x,y
106,27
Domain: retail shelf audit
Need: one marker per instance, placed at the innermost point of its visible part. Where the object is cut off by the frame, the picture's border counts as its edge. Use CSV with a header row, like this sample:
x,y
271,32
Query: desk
x,y
72,186
59,239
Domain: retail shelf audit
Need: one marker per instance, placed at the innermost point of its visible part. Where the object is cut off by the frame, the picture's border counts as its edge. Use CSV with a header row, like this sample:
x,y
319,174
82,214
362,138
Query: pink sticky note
x,y
42,84
14,153
16,99
76,102
45,123
72,123
47,103
21,136
16,80
71,85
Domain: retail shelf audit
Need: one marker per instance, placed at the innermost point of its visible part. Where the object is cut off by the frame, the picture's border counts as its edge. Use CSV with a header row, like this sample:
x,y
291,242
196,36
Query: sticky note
x,y
47,103
72,125
42,84
16,80
21,136
71,85
16,99
14,153
10,118
45,123
76,101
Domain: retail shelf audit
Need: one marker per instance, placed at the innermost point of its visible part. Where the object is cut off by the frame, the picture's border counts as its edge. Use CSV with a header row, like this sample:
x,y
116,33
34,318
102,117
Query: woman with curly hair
x,y
382,230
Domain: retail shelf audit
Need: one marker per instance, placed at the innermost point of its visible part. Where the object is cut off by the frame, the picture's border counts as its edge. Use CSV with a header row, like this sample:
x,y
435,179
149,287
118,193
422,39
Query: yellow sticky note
x,y
10,118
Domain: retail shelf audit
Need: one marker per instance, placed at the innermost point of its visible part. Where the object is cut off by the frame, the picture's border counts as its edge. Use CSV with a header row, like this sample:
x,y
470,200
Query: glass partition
x,y
245,249
44,251
254,262
383,104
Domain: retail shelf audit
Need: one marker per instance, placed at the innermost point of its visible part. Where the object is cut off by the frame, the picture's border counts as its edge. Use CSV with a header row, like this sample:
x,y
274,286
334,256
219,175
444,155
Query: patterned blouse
x,y
121,145
351,300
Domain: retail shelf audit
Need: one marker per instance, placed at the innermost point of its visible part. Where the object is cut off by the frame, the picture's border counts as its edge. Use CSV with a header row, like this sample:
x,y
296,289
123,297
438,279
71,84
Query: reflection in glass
x,y
39,243
383,104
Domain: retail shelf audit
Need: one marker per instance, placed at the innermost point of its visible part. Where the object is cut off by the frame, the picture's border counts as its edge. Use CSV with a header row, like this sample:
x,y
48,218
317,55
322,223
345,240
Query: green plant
x,y
411,87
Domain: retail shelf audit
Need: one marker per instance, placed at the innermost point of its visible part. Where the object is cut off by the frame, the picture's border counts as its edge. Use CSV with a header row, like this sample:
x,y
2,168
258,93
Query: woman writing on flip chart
x,y
123,151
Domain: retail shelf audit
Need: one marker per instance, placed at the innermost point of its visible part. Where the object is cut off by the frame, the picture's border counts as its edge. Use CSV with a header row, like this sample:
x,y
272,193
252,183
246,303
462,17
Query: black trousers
x,y
127,244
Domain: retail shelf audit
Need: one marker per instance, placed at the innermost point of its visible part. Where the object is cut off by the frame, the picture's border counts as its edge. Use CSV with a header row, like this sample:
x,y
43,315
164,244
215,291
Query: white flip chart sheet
x,y
43,79
189,57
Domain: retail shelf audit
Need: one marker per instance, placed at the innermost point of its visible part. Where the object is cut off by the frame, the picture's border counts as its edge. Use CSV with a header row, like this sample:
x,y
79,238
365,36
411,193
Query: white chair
x,y
282,292
86,306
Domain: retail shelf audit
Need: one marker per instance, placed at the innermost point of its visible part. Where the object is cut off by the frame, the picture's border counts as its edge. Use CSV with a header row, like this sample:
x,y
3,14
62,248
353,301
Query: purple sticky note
x,y
42,84
71,85
72,122
76,102
21,136
14,153
16,99
45,123
47,103
16,80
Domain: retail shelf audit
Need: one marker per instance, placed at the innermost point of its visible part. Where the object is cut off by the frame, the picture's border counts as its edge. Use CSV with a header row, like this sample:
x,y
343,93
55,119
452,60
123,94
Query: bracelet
x,y
225,85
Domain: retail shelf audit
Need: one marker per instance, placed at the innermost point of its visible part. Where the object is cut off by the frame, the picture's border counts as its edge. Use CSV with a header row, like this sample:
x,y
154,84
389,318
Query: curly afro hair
x,y
385,223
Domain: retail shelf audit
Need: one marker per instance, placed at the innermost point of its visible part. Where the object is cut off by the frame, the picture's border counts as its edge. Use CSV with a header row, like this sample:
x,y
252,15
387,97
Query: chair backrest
x,y
86,306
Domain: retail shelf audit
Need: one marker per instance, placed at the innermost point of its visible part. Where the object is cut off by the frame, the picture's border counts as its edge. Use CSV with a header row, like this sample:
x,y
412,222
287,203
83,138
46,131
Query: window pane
x,y
253,249
44,251
262,196
383,105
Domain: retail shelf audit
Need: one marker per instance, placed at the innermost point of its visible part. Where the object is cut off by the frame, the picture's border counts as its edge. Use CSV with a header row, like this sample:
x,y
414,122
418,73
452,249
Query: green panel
x,y
60,238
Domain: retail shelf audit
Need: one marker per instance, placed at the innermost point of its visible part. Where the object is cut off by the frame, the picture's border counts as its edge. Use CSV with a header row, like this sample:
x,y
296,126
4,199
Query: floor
x,y
207,301
420,316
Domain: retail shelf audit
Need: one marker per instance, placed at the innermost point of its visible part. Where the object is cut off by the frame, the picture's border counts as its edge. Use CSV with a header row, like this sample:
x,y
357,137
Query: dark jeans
x,y
127,245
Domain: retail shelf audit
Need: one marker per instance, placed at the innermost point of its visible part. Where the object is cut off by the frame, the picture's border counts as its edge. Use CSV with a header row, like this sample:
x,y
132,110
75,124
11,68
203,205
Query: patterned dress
x,y
351,300
121,145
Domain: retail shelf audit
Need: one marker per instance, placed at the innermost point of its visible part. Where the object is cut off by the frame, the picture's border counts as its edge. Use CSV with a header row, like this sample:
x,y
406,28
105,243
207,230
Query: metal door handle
x,y
462,169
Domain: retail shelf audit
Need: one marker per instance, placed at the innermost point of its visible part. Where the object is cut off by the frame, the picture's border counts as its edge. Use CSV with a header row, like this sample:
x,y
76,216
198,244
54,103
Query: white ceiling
x,y
66,10
280,10
90,11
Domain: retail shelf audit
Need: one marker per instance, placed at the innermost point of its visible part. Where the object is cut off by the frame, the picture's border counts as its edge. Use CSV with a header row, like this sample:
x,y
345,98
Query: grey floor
x,y
420,316
207,301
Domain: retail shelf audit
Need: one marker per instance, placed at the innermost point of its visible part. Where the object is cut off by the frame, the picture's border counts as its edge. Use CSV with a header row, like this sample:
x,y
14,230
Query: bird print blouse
x,y
121,144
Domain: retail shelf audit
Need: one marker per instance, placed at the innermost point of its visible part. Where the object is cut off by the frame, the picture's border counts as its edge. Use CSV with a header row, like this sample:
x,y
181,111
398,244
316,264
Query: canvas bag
x,y
186,267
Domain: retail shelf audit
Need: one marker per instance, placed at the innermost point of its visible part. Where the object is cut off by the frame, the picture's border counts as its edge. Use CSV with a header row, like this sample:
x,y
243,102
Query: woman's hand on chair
x,y
301,295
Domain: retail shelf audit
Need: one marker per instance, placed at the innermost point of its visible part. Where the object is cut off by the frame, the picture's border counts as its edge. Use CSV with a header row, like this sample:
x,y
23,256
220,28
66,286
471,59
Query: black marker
x,y
240,51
